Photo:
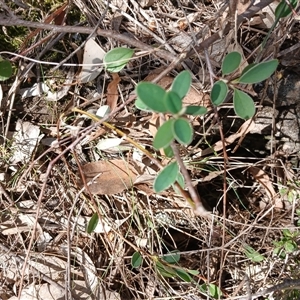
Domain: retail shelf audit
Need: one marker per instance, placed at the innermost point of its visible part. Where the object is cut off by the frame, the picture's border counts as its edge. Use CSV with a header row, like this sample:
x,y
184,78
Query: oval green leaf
x,y
116,59
231,62
140,105
212,290
165,271
182,84
172,257
243,105
136,260
168,152
152,95
5,70
164,135
219,92
183,131
180,180
259,72
172,102
194,110
183,275
166,177
92,223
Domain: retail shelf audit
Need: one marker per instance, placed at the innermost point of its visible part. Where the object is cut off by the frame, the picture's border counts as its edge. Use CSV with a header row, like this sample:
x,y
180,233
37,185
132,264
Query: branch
x,y
13,21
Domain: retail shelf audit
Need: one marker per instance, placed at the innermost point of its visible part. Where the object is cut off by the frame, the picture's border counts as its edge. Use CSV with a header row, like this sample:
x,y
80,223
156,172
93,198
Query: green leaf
x,y
164,270
253,254
168,151
172,102
5,70
183,275
193,272
219,92
172,257
194,110
182,84
259,72
290,246
152,95
140,105
212,290
166,177
164,135
243,105
116,59
136,260
231,62
283,10
93,223
183,131
180,180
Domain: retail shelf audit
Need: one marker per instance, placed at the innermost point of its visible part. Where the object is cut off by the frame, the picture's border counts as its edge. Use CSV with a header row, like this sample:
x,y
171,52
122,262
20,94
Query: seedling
x,y
243,104
152,97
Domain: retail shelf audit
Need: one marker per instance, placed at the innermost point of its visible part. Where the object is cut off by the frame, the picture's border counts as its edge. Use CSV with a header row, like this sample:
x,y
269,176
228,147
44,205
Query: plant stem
x,y
197,203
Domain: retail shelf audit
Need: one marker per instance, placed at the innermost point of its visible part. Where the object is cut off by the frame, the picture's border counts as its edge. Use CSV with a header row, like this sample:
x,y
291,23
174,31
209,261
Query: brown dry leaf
x,y
265,181
112,92
109,177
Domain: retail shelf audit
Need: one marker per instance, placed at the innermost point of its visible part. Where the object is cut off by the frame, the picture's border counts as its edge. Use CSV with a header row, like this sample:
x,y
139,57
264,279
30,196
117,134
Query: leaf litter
x,y
134,218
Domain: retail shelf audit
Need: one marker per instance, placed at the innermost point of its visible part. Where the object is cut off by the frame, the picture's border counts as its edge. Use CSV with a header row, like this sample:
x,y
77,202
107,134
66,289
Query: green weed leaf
x,y
166,177
180,180
116,59
164,270
140,105
253,254
152,95
231,62
93,223
290,246
283,10
172,257
194,110
183,131
182,84
168,151
183,275
219,92
136,260
173,102
193,272
164,135
5,70
212,290
243,105
259,72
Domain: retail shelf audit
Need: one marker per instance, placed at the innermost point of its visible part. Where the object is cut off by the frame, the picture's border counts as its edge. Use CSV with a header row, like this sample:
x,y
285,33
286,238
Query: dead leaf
x,y
24,142
266,183
109,177
112,92
92,60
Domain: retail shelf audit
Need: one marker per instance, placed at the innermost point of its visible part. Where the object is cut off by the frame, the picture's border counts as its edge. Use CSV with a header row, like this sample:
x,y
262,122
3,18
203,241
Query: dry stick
x,y
83,44
11,21
216,114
